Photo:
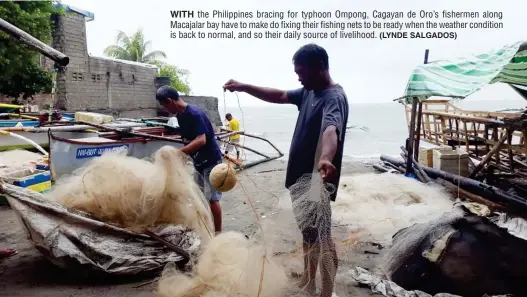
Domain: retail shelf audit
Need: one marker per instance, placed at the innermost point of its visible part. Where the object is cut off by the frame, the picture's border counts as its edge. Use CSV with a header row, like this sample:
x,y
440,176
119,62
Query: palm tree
x,y
133,48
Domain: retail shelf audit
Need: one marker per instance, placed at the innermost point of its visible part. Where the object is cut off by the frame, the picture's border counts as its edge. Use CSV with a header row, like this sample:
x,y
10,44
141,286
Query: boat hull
x,y
8,143
66,155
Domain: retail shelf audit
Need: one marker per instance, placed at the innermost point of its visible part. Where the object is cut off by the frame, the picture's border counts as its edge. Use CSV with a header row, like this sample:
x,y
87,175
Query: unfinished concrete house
x,y
105,85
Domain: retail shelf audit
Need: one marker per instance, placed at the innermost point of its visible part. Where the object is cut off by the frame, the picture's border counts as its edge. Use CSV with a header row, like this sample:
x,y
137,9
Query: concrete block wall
x,y
104,85
209,104
100,84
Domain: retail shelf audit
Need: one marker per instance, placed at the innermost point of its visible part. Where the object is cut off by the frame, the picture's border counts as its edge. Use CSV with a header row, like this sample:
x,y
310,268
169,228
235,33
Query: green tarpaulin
x,y
461,77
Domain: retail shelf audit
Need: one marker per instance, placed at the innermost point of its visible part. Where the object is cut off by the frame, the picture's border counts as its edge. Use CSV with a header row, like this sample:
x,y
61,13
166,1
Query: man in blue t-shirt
x,y
195,126
317,145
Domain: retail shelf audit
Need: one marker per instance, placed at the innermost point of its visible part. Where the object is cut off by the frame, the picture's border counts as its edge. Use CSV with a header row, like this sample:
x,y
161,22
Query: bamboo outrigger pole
x,y
59,58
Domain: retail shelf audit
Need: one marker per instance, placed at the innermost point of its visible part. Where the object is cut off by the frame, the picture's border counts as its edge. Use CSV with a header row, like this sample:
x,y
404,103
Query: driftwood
x,y
417,173
488,157
398,168
426,178
496,195
380,168
60,58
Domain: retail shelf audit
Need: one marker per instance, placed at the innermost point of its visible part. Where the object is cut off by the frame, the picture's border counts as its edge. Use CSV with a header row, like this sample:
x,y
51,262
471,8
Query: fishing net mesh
x,y
310,198
137,194
233,264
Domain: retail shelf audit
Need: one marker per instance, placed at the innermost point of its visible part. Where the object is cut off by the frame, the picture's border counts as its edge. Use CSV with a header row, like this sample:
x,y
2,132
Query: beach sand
x,y
29,274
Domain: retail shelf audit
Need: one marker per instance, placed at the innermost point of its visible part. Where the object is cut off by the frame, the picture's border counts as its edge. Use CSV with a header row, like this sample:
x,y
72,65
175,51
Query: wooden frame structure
x,y
502,134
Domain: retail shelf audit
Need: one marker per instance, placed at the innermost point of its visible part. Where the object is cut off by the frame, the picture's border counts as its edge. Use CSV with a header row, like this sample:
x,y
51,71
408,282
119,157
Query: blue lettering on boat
x,y
90,152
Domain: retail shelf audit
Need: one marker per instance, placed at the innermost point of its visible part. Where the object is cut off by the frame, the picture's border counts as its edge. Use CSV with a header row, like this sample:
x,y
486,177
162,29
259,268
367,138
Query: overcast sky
x,y
369,70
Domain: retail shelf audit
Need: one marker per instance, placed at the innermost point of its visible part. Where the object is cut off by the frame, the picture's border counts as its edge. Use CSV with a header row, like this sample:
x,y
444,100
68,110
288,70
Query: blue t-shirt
x,y
317,111
193,123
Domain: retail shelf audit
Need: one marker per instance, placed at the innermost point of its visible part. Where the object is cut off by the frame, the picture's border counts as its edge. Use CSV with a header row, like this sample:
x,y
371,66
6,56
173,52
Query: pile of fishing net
x,y
137,194
376,206
230,265
233,265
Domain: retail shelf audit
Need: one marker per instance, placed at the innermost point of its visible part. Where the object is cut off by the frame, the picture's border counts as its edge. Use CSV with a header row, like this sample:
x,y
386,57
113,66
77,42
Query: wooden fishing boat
x,y
68,154
22,123
496,142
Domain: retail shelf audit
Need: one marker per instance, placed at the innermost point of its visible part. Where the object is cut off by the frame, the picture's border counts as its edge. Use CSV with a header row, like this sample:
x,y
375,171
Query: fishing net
x,y
310,198
233,264
17,160
137,194
230,265
376,206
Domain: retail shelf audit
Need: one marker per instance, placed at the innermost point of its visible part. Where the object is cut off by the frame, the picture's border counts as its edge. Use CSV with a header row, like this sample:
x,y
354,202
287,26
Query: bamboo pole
x,y
256,137
60,58
23,116
244,147
258,162
103,127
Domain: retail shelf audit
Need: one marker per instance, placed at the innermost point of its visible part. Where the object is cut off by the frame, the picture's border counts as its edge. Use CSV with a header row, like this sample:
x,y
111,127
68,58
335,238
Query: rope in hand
x,y
258,221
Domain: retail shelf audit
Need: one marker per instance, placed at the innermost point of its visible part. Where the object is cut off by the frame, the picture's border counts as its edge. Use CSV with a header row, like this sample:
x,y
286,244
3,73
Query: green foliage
x,y
178,76
27,82
20,72
133,48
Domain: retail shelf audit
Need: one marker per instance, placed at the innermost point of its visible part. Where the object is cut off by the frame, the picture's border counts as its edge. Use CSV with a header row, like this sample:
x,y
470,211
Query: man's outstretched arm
x,y
266,94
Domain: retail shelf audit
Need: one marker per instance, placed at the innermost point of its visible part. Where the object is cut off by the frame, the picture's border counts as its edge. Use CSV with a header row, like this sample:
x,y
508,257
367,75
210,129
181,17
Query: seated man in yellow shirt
x,y
233,125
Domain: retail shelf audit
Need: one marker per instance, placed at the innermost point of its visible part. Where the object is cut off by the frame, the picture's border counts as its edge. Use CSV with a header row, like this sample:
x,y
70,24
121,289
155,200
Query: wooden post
x,y
411,138
418,128
413,143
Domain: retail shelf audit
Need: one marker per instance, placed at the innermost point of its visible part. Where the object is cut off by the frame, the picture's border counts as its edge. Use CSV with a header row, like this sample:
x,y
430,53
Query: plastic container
x,y
451,161
92,117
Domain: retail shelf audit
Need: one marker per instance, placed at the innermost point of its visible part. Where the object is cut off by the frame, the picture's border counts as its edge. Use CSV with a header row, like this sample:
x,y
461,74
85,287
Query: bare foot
x,y
307,285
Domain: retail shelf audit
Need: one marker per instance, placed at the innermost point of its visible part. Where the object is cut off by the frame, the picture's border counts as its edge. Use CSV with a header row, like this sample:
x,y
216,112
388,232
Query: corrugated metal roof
x,y
89,16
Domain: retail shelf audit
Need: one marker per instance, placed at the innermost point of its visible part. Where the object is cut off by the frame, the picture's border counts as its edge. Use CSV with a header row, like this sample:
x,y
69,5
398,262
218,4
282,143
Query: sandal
x,y
6,253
